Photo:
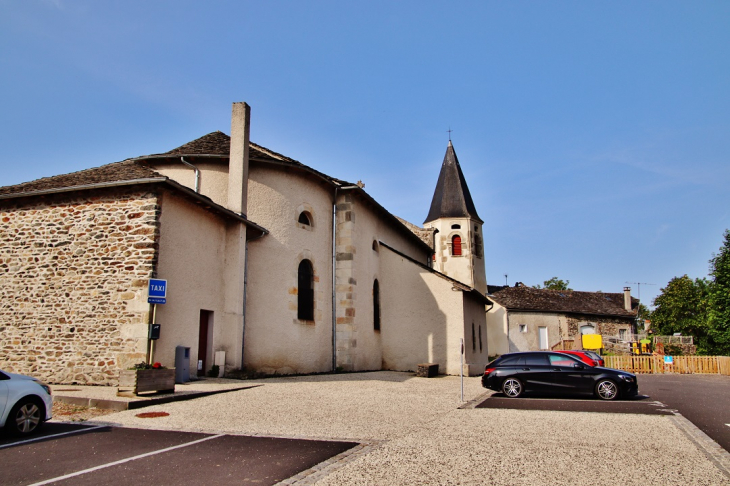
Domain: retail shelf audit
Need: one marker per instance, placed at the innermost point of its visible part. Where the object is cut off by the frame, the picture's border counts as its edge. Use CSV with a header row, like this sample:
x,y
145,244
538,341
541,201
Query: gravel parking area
x,y
415,433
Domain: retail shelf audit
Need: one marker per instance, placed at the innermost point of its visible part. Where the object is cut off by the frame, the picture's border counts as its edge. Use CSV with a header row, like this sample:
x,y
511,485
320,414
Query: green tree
x,y
719,300
644,313
554,284
682,307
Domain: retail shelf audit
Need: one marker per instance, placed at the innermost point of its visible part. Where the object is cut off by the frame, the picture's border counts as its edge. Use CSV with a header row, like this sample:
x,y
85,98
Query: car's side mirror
x,y
578,366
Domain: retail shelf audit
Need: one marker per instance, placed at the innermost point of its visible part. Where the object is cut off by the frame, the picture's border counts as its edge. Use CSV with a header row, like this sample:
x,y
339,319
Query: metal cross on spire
x,y
449,130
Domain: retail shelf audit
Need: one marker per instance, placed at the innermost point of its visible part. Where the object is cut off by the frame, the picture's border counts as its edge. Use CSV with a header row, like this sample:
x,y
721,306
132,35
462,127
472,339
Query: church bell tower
x,y
458,242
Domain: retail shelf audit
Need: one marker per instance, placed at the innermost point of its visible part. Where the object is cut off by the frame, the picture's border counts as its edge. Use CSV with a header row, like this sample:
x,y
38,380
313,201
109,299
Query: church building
x,y
283,268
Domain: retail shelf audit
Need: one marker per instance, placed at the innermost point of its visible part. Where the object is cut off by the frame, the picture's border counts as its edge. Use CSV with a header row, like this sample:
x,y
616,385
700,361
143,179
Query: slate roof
x,y
216,144
525,298
115,172
213,145
425,234
451,199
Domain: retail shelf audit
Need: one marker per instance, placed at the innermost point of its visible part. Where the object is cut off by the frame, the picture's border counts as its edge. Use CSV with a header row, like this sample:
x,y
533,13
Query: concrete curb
x,y
714,452
120,405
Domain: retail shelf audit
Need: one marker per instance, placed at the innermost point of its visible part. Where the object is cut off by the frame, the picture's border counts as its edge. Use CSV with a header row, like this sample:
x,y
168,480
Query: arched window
x,y
305,292
376,305
480,338
305,218
456,245
587,329
455,226
473,338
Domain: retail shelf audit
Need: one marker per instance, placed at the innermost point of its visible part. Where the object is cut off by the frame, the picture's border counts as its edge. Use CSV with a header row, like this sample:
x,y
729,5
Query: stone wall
x,y
607,326
73,278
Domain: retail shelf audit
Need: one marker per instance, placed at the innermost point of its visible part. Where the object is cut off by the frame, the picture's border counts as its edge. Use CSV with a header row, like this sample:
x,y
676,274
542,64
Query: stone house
x,y
528,319
282,267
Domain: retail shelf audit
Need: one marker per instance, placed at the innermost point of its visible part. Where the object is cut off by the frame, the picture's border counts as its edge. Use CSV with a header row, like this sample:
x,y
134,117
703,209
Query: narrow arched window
x,y
480,338
456,245
376,305
305,218
305,291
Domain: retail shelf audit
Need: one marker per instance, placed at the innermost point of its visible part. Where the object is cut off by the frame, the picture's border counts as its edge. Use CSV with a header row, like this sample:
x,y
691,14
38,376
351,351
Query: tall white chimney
x,y
627,298
238,163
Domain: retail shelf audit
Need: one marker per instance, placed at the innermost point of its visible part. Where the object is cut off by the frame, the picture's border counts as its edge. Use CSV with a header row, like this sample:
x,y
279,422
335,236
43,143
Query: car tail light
x,y
488,370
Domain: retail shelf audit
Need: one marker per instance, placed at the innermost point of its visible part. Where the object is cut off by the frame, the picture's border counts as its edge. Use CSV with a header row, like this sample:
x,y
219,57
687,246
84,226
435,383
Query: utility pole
x,y
639,284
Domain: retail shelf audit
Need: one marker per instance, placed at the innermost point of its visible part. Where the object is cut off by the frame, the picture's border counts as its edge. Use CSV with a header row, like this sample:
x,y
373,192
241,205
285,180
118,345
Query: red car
x,y
588,357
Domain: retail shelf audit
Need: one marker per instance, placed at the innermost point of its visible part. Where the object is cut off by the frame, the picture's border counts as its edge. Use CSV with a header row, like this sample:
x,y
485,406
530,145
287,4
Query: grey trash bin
x,y
182,364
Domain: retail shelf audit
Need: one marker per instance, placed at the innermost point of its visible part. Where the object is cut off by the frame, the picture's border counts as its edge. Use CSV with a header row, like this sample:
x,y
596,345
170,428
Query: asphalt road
x,y
702,399
123,456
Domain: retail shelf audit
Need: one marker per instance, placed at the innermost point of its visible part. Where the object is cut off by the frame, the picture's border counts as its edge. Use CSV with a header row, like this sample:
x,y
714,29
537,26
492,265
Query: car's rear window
x,y
511,361
561,360
536,360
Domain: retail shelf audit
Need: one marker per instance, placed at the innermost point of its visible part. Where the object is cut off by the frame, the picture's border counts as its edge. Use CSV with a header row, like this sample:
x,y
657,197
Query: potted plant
x,y
144,377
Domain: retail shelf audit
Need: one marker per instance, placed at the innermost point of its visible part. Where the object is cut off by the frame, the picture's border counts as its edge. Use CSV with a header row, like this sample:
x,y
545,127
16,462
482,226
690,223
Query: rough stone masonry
x,y
73,276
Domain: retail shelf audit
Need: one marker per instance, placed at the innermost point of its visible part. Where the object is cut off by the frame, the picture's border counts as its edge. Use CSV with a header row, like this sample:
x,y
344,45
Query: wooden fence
x,y
679,364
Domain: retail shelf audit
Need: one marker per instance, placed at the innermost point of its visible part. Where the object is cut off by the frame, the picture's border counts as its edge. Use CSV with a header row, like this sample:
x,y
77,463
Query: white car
x,y
25,403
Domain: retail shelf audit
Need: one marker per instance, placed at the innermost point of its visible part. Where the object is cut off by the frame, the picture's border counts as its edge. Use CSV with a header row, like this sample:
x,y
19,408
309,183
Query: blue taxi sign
x,y
157,292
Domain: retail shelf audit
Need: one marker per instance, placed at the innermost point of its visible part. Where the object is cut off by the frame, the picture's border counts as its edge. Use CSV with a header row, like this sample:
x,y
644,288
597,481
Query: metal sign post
x,y
156,294
462,369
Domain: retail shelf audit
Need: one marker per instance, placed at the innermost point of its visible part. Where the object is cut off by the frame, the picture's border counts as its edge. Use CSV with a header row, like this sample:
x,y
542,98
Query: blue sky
x,y
594,136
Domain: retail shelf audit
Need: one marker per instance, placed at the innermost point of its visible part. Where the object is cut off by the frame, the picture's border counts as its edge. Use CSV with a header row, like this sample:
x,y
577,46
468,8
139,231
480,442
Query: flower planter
x,y
142,381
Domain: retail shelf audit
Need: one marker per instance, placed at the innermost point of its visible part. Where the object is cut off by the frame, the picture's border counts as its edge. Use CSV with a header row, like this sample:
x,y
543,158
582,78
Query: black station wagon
x,y
548,372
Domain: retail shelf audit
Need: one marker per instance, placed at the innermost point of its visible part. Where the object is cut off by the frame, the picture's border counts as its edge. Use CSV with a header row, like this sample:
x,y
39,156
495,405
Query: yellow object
x,y
592,341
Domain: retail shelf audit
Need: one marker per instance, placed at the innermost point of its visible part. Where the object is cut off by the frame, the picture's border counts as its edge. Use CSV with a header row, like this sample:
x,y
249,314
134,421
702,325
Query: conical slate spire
x,y
451,198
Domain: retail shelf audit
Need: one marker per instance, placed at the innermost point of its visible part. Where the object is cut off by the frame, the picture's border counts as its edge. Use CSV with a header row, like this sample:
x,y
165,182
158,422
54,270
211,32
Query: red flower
x,y
157,365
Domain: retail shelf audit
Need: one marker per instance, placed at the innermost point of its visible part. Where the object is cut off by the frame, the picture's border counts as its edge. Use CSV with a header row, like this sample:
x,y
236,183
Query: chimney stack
x,y
627,298
238,161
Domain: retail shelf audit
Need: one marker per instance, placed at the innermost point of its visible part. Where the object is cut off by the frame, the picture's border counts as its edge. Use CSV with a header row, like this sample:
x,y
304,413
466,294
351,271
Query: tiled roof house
x,y
528,319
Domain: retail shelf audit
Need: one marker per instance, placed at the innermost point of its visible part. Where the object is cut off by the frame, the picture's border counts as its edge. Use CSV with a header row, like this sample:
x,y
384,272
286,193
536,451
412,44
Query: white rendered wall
x,y
275,340
497,332
422,317
213,178
192,259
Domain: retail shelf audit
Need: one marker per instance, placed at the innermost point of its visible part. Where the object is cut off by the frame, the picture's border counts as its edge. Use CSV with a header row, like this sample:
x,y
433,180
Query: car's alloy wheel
x,y
512,387
25,418
606,390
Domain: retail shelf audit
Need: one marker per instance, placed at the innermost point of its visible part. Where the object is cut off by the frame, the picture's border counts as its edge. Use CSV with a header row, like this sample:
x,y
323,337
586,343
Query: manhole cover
x,y
152,414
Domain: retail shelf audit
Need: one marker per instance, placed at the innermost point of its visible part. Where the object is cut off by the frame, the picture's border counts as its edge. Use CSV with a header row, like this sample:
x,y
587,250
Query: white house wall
x,y
529,340
192,259
497,335
275,340
422,318
213,177
359,226
476,345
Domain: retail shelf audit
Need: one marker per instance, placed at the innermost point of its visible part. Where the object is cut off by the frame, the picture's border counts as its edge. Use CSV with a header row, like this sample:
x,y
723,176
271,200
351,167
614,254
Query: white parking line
x,y
122,461
36,439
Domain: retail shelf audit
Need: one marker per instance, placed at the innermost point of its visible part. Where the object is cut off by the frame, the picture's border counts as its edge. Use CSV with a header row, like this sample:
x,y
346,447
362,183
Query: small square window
x,y
523,327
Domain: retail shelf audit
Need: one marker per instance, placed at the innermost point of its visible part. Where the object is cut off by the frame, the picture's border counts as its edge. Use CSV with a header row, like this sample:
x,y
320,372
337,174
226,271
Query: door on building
x,y
543,336
205,331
